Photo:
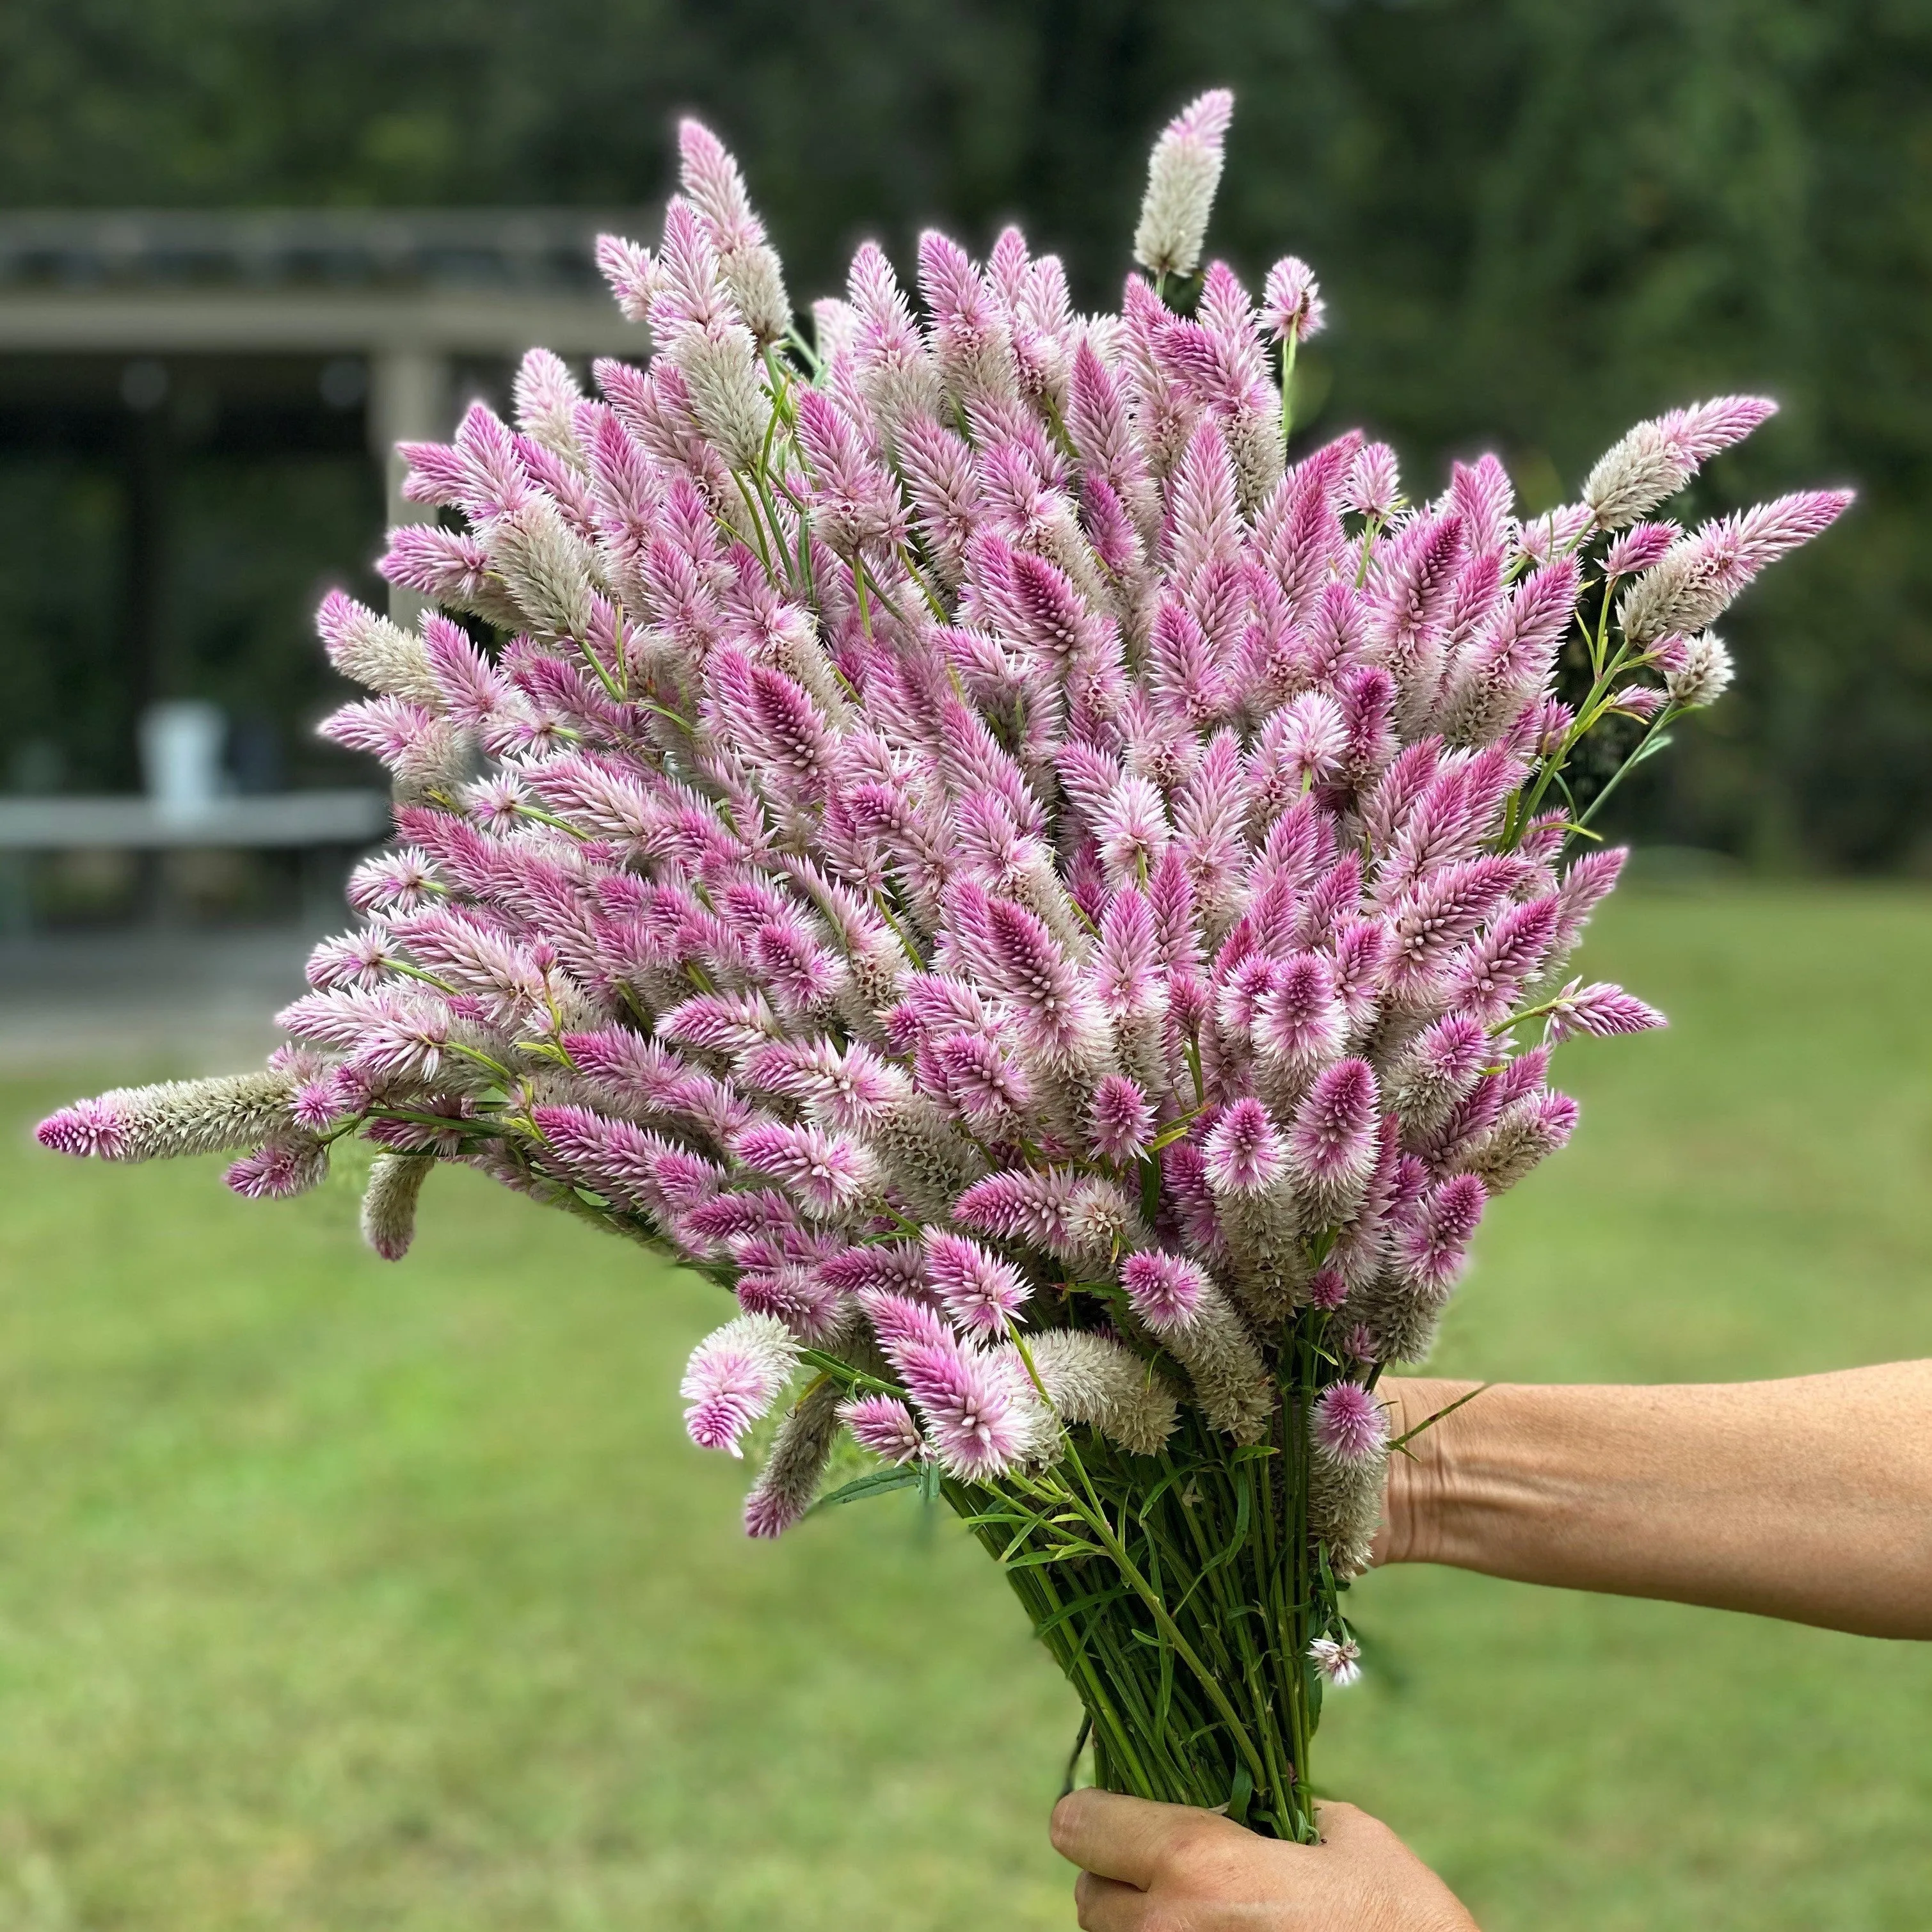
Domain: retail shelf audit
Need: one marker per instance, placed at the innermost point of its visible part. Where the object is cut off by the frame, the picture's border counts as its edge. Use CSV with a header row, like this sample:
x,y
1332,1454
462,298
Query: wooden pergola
x,y
317,330
412,294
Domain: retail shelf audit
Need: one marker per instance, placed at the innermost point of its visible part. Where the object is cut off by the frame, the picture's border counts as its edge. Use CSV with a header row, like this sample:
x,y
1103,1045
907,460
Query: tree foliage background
x,y
1535,220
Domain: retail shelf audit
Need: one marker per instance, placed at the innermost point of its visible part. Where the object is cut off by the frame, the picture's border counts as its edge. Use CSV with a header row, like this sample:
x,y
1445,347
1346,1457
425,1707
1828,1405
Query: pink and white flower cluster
x,y
951,832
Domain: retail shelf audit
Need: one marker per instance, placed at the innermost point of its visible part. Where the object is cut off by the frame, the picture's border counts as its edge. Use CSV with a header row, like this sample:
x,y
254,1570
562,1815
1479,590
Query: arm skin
x,y
1809,1499
1169,1868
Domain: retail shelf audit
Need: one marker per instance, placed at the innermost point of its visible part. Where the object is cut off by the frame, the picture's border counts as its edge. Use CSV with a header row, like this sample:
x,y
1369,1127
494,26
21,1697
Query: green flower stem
x,y
1663,718
1095,1515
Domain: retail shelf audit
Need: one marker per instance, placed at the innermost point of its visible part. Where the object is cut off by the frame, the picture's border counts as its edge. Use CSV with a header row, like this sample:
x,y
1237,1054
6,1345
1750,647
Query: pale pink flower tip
x,y
1433,1248
733,1377
1182,174
979,1410
276,1172
1207,117
770,1513
1123,1118
1327,1290
1374,486
1291,301
318,1103
1245,1151
885,1426
1349,1424
1640,546
979,1290
87,1127
1602,1009
1335,1131
1165,1289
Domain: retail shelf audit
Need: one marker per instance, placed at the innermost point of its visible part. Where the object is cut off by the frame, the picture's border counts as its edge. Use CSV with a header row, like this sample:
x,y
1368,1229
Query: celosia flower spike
x,y
1182,176
1165,1289
1245,1152
1291,305
1123,1118
980,1415
884,1425
734,1376
977,1289
1656,459
1348,1423
940,831
1601,1009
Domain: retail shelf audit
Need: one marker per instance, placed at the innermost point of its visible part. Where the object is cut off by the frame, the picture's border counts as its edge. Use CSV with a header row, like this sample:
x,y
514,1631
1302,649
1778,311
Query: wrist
x,y
1422,1474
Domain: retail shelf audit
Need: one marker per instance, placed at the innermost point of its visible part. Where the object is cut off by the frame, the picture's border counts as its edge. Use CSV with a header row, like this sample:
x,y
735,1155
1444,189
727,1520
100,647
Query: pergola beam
x,y
146,321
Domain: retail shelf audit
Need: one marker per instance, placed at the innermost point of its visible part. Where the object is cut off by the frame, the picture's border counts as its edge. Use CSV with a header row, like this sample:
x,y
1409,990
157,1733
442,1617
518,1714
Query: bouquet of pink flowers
x,y
1058,909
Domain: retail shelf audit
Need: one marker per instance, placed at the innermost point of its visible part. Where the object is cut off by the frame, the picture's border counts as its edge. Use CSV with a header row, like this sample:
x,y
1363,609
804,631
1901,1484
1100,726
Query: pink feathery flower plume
x,y
1600,1009
1435,1243
1695,581
977,1288
1124,1118
1656,459
1349,1423
1185,171
1332,1147
1165,1289
733,1378
980,1415
885,1427
87,1127
1291,303
1246,1150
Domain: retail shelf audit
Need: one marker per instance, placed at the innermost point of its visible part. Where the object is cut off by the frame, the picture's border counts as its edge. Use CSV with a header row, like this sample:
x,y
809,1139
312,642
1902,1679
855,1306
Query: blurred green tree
x,y
1536,219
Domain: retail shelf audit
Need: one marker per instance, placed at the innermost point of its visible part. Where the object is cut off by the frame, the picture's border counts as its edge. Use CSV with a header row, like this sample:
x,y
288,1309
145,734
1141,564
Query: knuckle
x,y
1093,1910
1062,1827
1192,1846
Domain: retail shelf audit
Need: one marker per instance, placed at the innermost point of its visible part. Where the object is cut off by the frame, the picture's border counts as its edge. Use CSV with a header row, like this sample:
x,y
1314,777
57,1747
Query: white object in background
x,y
180,757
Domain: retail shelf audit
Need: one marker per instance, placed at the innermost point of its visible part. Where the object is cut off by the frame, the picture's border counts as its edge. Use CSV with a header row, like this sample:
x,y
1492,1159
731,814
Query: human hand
x,y
1171,1868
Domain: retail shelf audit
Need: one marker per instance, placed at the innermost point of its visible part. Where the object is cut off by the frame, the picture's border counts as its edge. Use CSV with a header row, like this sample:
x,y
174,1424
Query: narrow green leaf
x,y
1429,1421
1149,1189
1169,1135
874,1484
1094,1599
1061,1552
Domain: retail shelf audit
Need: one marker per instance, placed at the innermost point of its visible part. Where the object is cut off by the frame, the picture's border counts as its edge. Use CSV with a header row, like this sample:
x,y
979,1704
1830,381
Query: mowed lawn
x,y
339,1594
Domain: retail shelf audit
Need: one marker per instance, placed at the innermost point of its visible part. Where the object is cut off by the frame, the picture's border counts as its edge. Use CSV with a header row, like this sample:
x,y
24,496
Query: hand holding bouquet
x,y
1058,910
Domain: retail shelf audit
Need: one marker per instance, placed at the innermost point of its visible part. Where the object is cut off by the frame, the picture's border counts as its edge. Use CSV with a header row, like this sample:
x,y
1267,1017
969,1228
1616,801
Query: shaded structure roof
x,y
546,249
476,280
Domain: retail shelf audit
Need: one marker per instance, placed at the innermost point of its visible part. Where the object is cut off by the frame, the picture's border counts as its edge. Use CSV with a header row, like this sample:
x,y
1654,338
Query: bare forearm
x,y
1810,1499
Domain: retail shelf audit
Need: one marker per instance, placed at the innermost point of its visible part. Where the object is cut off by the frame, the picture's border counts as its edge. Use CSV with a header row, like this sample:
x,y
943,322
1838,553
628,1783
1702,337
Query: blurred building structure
x,y
135,346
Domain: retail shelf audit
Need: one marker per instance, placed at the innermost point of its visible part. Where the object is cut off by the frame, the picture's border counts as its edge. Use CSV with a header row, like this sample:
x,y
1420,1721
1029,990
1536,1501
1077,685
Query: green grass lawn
x,y
338,1594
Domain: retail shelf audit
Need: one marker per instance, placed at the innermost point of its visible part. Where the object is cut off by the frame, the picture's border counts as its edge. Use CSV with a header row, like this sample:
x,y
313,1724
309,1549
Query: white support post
x,y
408,401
